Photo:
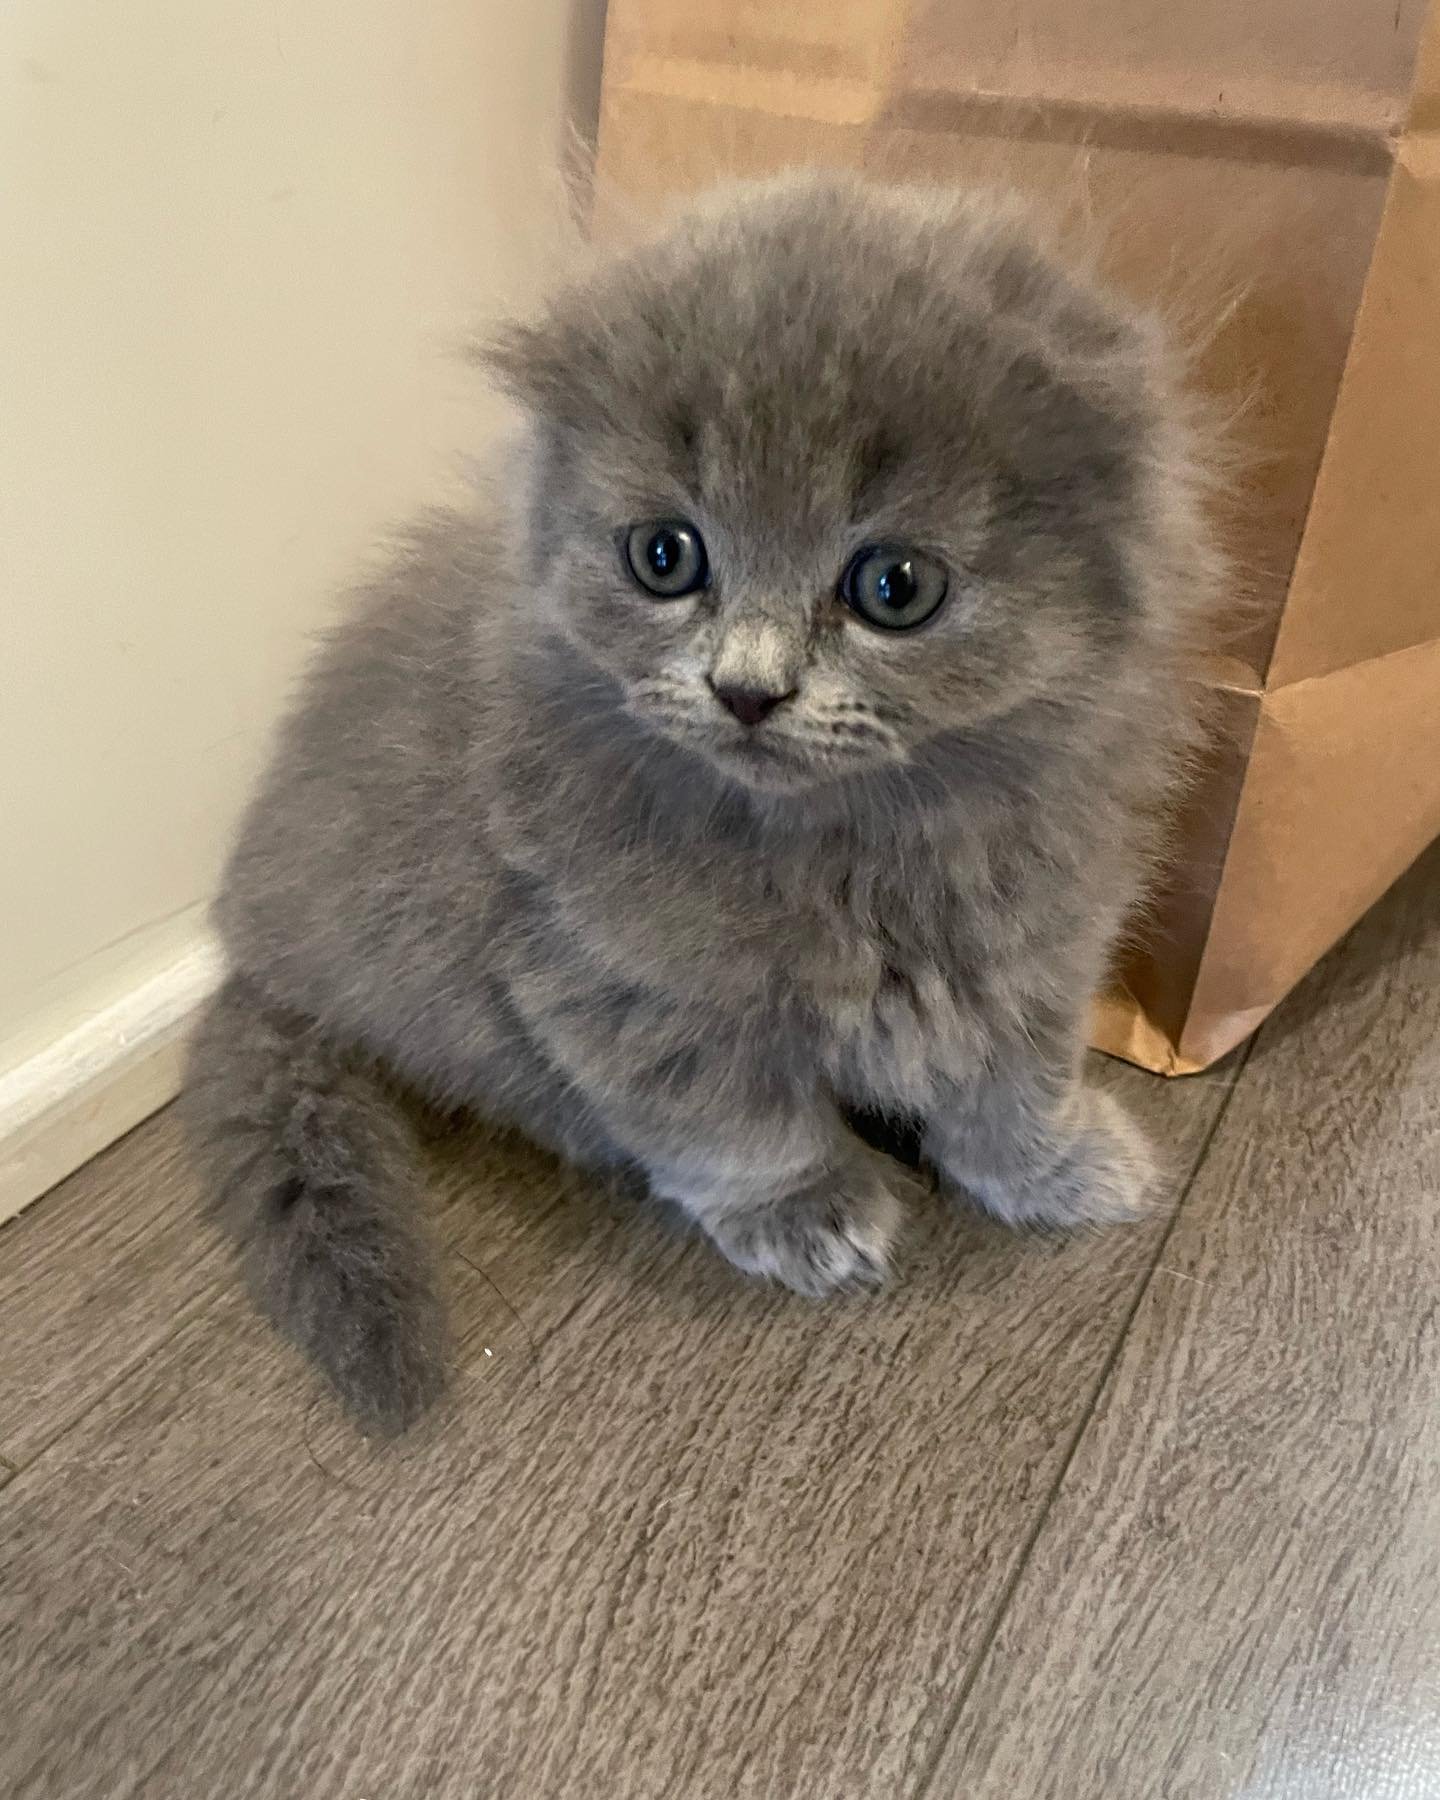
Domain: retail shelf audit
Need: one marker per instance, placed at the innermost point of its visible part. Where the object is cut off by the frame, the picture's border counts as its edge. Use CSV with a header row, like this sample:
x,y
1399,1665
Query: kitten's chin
x,y
763,768
778,769
756,763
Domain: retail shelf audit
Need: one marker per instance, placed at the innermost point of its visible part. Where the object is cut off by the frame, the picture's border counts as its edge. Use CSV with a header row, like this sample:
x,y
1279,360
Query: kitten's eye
x,y
667,557
894,587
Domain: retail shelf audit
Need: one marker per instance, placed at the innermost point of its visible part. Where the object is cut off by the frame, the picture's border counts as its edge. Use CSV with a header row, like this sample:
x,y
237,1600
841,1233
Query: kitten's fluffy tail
x,y
309,1167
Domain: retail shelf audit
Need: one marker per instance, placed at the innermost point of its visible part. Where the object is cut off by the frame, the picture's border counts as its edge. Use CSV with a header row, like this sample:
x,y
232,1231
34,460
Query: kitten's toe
x,y
836,1234
1104,1176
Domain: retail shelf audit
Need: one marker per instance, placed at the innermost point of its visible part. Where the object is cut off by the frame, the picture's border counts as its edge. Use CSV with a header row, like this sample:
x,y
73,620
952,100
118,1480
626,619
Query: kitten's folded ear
x,y
547,365
516,357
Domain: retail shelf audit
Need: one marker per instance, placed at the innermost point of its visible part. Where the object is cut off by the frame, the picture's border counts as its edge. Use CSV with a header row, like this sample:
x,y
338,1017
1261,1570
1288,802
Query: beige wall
x,y
238,238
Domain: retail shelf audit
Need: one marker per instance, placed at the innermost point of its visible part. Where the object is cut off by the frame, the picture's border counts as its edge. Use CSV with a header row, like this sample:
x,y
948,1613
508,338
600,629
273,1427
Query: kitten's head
x,y
828,472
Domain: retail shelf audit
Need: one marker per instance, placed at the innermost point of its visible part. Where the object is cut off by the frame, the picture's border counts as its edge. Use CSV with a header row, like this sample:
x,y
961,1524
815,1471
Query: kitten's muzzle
x,y
750,705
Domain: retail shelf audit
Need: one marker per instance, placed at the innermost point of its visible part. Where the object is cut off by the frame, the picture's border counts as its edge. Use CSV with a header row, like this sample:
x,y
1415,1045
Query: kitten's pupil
x,y
664,552
897,587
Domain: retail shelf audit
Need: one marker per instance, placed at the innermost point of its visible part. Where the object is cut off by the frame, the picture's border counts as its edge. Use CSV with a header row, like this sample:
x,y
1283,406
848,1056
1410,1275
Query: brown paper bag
x,y
1297,145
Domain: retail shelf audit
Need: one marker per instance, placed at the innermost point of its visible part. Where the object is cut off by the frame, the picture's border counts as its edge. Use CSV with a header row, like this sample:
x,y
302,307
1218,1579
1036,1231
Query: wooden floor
x,y
1152,1516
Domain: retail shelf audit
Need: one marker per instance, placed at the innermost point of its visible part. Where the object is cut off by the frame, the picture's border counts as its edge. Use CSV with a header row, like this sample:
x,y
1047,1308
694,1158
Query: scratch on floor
x,y
1180,1275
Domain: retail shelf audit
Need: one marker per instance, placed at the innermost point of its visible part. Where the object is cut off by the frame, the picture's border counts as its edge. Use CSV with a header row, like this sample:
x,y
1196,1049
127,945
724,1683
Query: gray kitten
x,y
785,740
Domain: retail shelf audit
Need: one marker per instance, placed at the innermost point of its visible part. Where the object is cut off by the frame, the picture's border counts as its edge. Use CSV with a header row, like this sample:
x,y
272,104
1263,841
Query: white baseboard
x,y
79,1094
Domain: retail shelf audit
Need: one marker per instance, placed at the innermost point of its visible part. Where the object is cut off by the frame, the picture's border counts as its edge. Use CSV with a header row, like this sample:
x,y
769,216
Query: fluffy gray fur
x,y
514,851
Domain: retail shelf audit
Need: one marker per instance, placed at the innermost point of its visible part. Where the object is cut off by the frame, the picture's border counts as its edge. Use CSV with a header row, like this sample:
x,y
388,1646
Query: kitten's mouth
x,y
751,746
757,756
773,761
760,760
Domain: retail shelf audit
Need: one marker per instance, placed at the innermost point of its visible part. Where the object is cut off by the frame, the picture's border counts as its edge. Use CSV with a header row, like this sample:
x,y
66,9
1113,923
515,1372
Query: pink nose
x,y
749,705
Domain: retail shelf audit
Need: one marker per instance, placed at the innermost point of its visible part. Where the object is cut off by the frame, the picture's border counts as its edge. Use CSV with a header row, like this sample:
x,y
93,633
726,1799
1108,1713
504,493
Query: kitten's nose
x,y
749,705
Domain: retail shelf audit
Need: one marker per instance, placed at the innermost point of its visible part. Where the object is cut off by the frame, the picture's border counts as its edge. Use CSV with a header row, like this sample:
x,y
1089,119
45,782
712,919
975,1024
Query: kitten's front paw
x,y
1102,1176
835,1233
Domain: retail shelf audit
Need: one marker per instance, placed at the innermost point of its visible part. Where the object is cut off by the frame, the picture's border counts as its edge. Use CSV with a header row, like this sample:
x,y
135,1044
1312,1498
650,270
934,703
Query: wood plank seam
x,y
24,1464
1032,1537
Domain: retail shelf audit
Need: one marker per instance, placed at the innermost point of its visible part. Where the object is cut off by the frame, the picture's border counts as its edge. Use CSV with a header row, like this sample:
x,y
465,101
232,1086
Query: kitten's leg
x,y
819,1217
717,1121
310,1174
1029,1142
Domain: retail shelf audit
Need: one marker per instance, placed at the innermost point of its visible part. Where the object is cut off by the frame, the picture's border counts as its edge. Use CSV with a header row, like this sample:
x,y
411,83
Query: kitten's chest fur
x,y
895,985
871,952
